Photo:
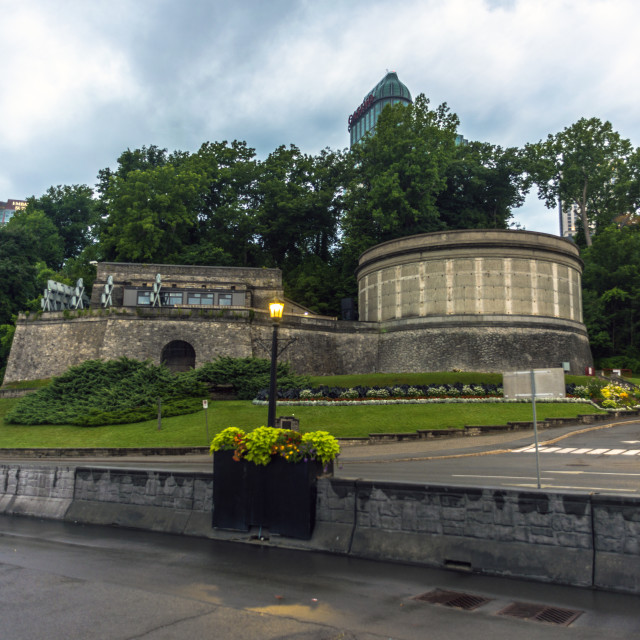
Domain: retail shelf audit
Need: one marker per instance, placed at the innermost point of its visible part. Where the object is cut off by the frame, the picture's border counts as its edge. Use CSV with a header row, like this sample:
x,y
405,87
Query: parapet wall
x,y
558,537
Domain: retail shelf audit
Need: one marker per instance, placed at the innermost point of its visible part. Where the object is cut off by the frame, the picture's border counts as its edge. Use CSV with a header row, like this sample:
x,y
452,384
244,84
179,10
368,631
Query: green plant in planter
x,y
227,440
261,445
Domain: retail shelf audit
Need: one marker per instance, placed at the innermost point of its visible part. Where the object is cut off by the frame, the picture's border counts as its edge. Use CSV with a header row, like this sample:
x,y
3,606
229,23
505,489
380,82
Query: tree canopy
x,y
585,164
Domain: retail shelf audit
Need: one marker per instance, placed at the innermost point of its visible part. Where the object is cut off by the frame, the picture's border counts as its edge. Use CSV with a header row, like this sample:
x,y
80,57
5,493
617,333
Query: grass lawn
x,y
349,421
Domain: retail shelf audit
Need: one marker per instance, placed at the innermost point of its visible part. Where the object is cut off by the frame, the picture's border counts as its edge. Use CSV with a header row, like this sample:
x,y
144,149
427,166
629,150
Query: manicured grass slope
x,y
349,421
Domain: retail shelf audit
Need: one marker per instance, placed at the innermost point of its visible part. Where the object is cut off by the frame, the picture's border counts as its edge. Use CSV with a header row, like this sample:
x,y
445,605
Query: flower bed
x,y
329,402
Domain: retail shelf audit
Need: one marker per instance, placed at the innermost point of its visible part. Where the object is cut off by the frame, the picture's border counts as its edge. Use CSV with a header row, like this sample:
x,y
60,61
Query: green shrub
x,y
97,392
248,375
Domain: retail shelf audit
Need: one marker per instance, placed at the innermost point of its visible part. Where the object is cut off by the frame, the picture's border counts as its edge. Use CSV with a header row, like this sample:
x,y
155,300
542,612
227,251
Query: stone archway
x,y
178,355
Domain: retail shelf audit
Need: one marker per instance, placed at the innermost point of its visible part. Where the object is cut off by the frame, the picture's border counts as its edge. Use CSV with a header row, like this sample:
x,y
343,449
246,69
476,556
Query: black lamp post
x,y
275,311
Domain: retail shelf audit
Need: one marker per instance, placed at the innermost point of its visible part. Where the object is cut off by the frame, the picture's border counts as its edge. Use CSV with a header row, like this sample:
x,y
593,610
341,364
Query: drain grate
x,y
541,613
466,601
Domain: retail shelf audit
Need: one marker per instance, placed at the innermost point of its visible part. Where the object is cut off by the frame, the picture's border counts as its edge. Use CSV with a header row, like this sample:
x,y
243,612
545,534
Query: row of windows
x,y
172,298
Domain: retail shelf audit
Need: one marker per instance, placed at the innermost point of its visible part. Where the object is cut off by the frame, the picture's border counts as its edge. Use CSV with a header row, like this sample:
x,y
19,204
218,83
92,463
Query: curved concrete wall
x,y
483,300
477,272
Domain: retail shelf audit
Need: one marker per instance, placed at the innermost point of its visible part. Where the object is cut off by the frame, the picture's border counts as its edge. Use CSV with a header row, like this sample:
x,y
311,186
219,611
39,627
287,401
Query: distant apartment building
x,y
9,208
568,220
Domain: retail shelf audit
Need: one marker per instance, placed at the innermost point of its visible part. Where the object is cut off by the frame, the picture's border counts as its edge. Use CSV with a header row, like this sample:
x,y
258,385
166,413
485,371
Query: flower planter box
x,y
280,496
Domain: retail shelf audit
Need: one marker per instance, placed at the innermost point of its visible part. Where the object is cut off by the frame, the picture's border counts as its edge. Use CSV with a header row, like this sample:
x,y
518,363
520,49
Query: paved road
x,y
64,582
594,459
602,458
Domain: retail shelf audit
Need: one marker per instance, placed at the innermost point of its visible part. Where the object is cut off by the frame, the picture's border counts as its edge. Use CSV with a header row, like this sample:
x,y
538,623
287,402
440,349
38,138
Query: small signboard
x,y
205,404
549,383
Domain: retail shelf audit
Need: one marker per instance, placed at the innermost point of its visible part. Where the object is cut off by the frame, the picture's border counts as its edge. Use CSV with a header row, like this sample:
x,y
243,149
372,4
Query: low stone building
x,y
480,300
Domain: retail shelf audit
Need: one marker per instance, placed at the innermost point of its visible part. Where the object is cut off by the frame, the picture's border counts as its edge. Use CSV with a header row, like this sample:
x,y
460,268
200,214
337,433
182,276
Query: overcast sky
x,y
83,80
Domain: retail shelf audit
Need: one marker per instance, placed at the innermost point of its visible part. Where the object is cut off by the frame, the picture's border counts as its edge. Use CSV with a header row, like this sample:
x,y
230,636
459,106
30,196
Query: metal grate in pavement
x,y
466,601
540,613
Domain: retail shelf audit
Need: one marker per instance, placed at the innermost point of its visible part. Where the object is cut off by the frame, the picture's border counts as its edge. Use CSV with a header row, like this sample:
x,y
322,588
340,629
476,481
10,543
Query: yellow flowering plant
x,y
616,396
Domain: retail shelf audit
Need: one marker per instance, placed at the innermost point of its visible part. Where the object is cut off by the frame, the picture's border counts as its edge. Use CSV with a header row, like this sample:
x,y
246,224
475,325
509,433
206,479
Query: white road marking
x,y
597,452
597,473
557,486
614,452
631,442
631,452
501,477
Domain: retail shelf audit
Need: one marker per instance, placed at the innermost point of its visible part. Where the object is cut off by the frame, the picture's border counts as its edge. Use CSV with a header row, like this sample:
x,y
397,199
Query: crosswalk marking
x,y
574,451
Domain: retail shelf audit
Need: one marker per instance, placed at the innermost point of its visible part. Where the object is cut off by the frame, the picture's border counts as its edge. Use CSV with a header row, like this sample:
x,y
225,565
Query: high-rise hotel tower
x,y
388,91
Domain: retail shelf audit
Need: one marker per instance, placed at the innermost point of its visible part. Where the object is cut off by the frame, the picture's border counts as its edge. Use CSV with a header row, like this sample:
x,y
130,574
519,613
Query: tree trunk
x,y
583,215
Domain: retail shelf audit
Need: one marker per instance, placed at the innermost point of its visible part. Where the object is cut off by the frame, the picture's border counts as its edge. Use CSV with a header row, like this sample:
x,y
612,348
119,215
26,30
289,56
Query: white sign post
x,y
525,384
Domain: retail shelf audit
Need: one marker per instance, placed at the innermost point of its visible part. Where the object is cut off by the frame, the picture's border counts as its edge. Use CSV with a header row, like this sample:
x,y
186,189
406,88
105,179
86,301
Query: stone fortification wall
x,y
48,346
558,537
476,345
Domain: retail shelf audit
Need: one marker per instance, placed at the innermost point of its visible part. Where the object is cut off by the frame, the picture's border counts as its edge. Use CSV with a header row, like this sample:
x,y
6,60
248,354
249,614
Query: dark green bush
x,y
95,387
248,375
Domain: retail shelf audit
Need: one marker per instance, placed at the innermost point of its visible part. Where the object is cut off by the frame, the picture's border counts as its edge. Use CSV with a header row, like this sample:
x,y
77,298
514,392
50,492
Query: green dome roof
x,y
391,87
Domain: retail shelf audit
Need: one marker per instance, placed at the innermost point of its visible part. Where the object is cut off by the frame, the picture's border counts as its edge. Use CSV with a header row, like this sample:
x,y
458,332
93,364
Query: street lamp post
x,y
275,311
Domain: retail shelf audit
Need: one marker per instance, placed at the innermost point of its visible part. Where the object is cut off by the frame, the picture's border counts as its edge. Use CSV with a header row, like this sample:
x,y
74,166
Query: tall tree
x,y
611,288
484,184
399,170
46,245
151,213
583,164
72,209
18,275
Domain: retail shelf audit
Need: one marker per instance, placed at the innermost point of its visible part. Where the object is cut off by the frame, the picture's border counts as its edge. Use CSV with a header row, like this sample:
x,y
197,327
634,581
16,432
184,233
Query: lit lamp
x,y
275,311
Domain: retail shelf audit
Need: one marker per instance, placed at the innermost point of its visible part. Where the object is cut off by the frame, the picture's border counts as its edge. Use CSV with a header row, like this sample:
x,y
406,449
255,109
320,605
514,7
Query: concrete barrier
x,y
550,536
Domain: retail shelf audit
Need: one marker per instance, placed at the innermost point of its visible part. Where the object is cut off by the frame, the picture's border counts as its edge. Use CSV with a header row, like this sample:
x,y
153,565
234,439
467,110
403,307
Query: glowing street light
x,y
276,307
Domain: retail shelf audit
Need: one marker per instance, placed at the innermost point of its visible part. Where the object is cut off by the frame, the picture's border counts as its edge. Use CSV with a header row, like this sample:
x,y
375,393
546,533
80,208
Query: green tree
x,y
298,205
611,285
72,209
398,172
225,233
47,245
583,164
151,213
18,275
484,184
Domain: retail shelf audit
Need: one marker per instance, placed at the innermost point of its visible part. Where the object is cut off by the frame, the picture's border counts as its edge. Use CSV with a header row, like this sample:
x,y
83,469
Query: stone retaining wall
x,y
559,537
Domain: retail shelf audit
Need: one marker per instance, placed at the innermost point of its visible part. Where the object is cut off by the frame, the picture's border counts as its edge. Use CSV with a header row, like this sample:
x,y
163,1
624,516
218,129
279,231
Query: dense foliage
x,y
113,392
247,376
611,283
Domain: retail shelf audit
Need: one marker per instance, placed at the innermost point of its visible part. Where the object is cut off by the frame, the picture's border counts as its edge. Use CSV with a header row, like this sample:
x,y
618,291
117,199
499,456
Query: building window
x,y
224,299
144,297
200,298
171,298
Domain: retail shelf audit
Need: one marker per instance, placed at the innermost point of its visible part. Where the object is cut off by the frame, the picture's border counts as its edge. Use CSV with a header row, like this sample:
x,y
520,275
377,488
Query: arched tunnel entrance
x,y
178,355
